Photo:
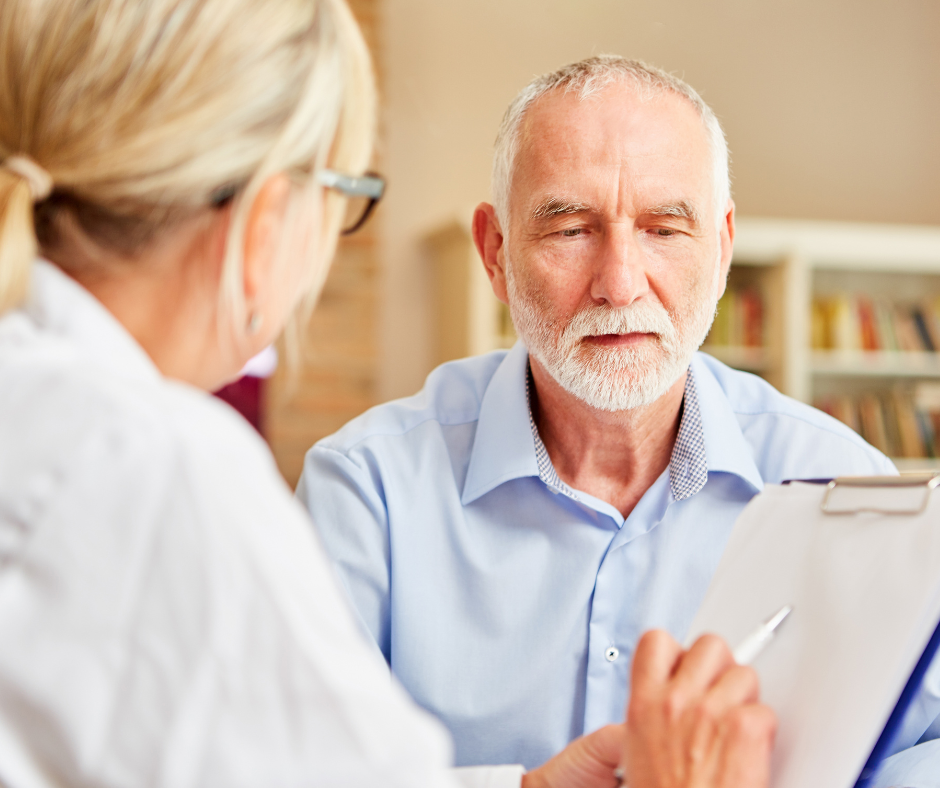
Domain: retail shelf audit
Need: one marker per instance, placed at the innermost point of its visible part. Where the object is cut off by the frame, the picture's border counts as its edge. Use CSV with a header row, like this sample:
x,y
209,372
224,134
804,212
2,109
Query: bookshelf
x,y
851,311
791,267
875,363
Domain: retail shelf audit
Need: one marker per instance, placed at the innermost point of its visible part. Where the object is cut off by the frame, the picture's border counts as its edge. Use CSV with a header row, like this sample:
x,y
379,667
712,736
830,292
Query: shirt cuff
x,y
488,776
916,767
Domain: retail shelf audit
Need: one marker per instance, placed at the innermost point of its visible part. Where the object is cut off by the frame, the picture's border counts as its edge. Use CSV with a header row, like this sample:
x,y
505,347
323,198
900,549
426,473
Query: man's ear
x,y
264,232
726,238
488,237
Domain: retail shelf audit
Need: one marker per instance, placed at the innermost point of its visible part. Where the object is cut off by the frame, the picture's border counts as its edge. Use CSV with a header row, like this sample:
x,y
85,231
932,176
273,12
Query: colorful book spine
x,y
903,422
858,322
739,321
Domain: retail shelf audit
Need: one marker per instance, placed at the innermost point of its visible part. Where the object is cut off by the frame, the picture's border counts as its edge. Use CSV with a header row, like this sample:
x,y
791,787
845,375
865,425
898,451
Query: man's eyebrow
x,y
555,206
681,210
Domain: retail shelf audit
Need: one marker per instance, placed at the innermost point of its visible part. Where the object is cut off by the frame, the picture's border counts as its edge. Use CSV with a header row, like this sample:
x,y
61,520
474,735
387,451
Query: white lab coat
x,y
167,616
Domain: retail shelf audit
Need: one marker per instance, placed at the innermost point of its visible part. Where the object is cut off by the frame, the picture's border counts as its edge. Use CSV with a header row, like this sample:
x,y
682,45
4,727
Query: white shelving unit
x,y
875,363
789,261
800,259
795,261
752,359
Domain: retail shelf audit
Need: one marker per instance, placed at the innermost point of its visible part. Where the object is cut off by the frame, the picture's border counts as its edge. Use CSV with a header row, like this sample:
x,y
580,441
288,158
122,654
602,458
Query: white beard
x,y
614,378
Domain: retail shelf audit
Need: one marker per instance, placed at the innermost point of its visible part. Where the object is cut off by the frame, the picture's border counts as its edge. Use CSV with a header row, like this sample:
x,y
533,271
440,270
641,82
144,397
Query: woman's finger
x,y
747,735
702,666
737,686
654,661
707,719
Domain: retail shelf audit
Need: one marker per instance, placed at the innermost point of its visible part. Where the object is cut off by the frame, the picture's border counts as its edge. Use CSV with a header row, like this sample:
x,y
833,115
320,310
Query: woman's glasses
x,y
362,194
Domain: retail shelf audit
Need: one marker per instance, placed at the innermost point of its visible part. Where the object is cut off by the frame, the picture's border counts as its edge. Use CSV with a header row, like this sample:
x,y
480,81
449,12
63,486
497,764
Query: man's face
x,y
614,260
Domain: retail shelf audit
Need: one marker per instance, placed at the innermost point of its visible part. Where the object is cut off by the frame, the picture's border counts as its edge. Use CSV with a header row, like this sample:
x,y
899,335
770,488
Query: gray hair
x,y
588,77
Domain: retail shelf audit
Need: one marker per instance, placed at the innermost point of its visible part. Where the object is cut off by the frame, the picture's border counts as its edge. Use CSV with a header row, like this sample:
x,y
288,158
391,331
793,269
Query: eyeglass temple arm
x,y
367,185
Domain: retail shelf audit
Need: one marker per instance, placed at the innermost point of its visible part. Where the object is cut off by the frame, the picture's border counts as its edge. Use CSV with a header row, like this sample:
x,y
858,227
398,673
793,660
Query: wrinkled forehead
x,y
648,144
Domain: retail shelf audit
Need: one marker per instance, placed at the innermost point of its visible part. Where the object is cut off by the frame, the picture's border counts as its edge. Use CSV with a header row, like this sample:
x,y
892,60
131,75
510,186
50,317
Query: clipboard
x,y
802,540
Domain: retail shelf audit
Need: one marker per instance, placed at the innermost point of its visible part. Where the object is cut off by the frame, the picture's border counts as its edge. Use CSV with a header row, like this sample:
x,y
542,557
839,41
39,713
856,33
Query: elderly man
x,y
509,532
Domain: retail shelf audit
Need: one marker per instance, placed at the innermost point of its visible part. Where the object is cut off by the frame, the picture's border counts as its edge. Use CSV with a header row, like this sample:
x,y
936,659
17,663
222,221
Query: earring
x,y
254,323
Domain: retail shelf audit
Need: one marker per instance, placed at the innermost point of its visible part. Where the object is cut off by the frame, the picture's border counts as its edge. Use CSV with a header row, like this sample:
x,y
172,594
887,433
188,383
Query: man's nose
x,y
620,271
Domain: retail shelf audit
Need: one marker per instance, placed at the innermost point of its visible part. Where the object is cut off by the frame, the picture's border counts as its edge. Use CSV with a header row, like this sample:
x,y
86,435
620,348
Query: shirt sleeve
x,y
915,767
345,499
509,776
916,754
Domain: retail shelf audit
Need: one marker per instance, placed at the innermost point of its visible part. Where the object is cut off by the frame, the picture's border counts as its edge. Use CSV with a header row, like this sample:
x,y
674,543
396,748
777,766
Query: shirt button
x,y
612,653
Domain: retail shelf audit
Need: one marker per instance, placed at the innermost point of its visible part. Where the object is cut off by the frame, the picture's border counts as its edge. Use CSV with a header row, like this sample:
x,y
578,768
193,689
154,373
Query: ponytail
x,y
17,238
22,184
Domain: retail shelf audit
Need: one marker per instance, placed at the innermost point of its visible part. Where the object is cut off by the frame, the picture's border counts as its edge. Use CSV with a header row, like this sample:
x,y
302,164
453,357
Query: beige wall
x,y
831,109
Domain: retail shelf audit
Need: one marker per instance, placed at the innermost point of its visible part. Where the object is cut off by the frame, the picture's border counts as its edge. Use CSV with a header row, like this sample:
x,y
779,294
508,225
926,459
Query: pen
x,y
744,654
753,644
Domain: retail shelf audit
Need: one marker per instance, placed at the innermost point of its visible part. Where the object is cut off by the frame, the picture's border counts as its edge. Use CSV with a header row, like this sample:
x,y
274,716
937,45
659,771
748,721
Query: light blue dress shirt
x,y
508,604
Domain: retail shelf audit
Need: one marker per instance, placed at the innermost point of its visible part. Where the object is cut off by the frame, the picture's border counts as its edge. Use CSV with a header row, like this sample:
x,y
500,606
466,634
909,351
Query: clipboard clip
x,y
908,494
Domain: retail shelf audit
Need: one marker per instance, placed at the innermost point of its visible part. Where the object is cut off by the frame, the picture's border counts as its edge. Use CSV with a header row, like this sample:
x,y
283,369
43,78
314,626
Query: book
x,y
739,320
848,321
901,422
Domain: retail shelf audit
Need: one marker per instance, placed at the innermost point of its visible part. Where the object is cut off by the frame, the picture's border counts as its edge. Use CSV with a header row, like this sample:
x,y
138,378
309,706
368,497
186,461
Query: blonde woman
x,y
173,178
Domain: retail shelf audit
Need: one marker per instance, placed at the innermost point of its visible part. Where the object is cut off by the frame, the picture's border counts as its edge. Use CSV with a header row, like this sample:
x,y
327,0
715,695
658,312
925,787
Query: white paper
x,y
865,591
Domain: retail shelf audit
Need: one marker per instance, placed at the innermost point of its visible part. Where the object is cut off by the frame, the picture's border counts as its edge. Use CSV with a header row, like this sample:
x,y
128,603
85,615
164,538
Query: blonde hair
x,y
143,111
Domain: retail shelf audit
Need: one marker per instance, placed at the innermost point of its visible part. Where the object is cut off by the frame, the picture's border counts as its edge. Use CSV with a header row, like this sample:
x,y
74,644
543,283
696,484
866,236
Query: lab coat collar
x,y
61,306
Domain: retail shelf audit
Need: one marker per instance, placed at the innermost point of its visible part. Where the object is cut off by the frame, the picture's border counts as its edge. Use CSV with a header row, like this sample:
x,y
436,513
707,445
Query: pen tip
x,y
777,619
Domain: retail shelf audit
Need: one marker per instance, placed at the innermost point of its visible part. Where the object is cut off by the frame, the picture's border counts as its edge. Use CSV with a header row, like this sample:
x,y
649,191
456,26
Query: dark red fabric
x,y
246,395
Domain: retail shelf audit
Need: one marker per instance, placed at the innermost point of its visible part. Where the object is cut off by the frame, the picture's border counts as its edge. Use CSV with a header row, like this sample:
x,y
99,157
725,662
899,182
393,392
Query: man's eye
x,y
665,232
571,232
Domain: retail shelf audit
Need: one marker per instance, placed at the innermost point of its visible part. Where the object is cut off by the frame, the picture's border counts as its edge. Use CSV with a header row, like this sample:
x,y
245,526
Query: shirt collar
x,y
547,472
502,448
688,463
508,445
726,448
688,469
59,305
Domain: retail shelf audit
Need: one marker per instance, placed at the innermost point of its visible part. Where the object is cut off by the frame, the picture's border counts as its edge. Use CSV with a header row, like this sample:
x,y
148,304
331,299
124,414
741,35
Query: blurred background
x,y
832,113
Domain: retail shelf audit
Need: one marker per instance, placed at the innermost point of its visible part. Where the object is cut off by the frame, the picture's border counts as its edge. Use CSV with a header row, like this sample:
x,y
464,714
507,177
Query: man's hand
x,y
694,720
588,762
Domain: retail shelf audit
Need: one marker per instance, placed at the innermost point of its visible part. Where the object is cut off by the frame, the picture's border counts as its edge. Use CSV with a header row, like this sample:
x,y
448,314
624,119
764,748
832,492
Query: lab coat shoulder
x,y
165,608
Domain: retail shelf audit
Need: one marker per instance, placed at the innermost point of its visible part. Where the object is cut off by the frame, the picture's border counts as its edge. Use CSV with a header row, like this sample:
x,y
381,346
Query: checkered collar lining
x,y
688,469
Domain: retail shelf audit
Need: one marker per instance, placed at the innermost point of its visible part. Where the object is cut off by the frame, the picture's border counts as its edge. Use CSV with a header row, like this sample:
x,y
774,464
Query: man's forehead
x,y
616,127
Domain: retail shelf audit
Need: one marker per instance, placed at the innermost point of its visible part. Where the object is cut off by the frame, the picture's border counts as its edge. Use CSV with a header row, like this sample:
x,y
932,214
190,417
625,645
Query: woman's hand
x,y
588,762
693,720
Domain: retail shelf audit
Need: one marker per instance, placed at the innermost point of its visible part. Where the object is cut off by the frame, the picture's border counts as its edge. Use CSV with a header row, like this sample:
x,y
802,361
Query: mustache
x,y
638,318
